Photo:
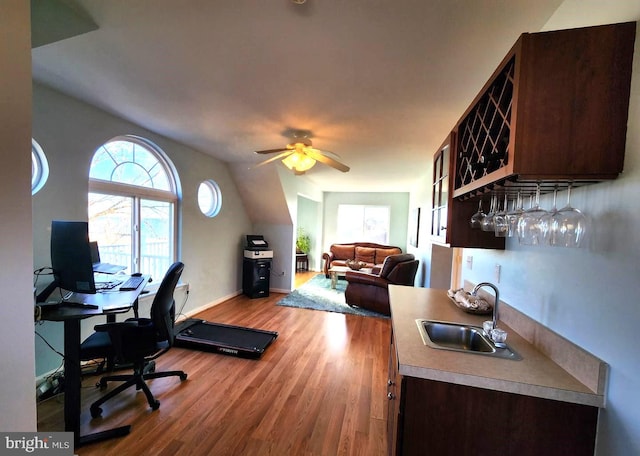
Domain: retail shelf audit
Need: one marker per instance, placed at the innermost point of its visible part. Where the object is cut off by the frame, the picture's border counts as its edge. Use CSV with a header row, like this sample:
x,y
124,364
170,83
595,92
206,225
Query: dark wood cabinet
x,y
439,418
394,394
450,217
440,193
554,111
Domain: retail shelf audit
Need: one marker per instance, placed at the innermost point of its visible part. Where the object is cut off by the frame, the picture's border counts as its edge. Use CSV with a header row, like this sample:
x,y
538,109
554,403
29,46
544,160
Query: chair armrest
x,y
366,279
328,258
131,338
116,326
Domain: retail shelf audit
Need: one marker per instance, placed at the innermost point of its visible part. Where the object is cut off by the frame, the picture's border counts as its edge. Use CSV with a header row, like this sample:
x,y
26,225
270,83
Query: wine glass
x,y
569,225
476,219
487,221
500,222
514,215
529,232
549,233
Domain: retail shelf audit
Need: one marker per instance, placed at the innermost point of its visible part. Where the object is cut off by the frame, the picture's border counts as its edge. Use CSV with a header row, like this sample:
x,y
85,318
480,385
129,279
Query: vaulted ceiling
x,y
378,82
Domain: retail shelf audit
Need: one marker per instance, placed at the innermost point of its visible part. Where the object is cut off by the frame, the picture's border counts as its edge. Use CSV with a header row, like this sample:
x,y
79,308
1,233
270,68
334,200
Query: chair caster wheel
x,y
150,368
155,405
102,384
96,412
183,377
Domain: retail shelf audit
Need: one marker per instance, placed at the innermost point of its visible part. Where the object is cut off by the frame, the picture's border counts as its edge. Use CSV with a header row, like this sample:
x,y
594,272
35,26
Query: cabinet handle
x,y
390,396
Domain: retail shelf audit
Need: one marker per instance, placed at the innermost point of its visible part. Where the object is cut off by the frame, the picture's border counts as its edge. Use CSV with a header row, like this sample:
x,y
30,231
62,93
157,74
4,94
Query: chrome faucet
x,y
495,304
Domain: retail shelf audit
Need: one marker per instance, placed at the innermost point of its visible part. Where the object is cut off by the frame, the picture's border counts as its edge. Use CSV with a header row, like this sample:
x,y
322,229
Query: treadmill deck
x,y
225,339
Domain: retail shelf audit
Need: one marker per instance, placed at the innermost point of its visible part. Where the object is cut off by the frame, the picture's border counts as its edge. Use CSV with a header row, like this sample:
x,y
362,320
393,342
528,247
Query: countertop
x,y
535,375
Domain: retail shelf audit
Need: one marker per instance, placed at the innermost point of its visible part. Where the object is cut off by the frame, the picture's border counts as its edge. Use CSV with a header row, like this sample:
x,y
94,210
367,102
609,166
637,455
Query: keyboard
x,y
131,283
105,286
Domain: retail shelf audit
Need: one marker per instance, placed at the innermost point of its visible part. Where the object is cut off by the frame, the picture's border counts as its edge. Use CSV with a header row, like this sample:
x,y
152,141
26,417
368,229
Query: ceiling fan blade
x,y
271,151
277,157
316,154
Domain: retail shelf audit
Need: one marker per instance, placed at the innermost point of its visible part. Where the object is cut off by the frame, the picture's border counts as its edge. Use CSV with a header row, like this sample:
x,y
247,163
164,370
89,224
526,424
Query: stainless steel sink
x,y
462,338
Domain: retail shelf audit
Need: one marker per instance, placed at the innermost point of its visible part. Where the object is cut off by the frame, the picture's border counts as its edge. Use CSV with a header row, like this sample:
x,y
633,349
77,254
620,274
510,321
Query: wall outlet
x,y
496,273
469,262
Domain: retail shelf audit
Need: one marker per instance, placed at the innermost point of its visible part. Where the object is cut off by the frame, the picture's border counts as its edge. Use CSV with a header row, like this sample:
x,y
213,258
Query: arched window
x,y
133,198
39,167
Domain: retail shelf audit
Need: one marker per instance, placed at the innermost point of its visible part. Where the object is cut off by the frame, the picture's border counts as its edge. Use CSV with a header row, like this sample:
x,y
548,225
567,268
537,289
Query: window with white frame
x,y
209,198
133,198
39,167
364,223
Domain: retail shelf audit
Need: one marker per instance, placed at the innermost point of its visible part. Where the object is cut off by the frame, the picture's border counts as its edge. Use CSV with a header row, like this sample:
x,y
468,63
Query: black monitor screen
x,y
71,256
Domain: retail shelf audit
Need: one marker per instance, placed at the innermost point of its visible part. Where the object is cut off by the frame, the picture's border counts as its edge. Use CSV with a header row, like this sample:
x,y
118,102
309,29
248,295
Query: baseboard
x,y
220,300
279,290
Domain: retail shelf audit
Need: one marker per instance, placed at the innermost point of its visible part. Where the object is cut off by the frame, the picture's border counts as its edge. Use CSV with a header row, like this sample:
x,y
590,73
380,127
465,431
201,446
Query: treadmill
x,y
228,339
224,339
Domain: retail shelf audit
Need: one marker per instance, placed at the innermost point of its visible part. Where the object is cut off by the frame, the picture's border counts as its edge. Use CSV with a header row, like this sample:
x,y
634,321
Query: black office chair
x,y
138,341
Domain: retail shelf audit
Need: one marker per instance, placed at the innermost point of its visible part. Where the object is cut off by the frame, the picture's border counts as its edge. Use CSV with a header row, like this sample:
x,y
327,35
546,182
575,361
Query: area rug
x,y
317,294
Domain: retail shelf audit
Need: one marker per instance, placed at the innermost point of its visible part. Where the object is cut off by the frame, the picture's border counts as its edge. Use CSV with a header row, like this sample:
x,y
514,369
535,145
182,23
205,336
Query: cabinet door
x,y
450,217
456,419
440,194
394,414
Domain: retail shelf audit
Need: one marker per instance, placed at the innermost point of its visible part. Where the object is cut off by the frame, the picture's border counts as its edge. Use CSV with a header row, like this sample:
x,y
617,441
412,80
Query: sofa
x,y
371,291
368,252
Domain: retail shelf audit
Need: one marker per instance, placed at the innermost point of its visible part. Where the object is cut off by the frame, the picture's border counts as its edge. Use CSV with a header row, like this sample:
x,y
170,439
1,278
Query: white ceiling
x,y
378,82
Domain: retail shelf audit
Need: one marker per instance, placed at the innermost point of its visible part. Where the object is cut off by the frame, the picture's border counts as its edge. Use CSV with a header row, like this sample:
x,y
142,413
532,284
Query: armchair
x,y
370,291
138,341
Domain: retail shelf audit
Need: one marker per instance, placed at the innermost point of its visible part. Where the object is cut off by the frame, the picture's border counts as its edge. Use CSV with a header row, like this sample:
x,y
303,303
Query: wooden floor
x,y
319,389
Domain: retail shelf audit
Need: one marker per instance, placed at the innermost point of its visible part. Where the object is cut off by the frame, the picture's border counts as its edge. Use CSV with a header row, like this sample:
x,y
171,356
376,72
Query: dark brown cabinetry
x,y
431,417
440,193
394,415
554,110
450,217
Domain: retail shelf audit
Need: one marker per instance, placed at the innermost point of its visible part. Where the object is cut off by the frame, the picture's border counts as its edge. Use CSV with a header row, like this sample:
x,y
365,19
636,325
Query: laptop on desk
x,y
98,266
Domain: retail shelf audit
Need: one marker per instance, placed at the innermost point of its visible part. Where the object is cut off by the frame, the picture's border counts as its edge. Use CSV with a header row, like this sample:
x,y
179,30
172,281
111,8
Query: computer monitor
x,y
71,256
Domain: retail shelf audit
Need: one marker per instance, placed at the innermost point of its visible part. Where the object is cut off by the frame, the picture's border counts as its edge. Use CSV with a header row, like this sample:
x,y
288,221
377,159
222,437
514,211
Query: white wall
x,y
590,295
17,388
310,221
421,197
69,132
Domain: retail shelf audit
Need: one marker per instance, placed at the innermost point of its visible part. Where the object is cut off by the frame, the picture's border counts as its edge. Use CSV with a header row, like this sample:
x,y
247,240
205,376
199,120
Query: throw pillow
x,y
366,254
381,254
342,252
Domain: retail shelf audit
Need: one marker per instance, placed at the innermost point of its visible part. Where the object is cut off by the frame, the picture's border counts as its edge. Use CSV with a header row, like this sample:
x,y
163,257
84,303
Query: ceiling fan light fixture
x,y
299,162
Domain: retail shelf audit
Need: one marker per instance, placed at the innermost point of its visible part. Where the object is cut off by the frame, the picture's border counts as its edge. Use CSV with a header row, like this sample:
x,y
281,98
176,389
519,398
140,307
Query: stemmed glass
x,y
500,222
487,221
476,219
549,234
529,232
514,215
569,225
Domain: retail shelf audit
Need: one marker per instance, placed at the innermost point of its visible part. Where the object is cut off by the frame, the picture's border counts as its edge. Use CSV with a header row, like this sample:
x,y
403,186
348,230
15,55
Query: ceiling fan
x,y
299,156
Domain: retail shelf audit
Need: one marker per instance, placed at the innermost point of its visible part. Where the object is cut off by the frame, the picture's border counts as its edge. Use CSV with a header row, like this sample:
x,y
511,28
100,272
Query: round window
x,y
209,198
39,167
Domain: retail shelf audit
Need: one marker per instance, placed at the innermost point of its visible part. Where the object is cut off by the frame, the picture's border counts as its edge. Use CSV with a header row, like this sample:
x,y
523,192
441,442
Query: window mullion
x,y
136,223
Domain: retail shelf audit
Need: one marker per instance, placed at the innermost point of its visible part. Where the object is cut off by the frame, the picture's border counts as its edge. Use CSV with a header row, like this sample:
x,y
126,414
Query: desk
x,y
71,317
